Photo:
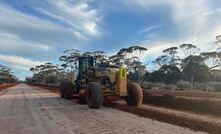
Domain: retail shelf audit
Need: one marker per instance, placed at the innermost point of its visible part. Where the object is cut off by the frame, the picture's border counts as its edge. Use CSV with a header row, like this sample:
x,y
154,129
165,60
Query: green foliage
x,y
167,74
153,85
69,59
213,59
191,68
188,49
49,73
184,85
172,55
194,69
170,87
46,73
6,75
131,58
215,75
162,60
170,69
214,86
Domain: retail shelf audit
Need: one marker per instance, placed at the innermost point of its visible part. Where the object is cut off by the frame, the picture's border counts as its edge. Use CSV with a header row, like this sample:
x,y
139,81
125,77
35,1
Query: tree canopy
x,y
171,66
6,75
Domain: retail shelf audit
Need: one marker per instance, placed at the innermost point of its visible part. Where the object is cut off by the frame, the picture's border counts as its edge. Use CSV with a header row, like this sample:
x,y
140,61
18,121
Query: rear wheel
x,y
62,87
135,94
94,95
68,91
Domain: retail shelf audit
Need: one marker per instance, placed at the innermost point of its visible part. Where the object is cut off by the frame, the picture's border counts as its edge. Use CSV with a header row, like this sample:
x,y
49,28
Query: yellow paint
x,y
123,73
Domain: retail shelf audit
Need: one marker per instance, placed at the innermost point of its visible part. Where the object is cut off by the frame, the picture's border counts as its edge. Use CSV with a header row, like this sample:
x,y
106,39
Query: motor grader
x,y
91,84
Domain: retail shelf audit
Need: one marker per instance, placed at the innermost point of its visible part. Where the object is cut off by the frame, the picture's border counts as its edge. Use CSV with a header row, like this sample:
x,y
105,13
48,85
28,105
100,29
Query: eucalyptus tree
x,y
171,53
101,58
161,60
69,59
136,52
188,49
212,59
46,73
6,75
194,69
169,58
131,57
218,41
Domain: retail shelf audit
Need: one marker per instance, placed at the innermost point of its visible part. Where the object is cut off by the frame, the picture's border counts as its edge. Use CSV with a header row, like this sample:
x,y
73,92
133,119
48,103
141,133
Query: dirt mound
x,y
188,94
183,121
202,106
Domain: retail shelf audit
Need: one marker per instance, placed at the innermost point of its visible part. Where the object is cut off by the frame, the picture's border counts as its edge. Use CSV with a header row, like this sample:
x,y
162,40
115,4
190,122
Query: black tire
x,y
62,87
94,95
135,94
68,92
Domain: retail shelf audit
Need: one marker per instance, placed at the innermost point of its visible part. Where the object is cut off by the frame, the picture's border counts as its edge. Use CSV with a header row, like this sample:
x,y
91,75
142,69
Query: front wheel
x,y
135,94
94,95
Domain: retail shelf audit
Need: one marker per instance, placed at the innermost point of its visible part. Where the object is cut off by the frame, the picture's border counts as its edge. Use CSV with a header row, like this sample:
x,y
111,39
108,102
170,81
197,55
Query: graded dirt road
x,y
25,109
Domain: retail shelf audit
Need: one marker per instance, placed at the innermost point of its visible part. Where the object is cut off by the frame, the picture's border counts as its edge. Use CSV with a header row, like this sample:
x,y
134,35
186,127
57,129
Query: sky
x,y
33,32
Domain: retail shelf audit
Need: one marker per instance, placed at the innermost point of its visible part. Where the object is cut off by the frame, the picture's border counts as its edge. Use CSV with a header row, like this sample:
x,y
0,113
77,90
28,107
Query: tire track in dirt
x,y
184,119
181,118
79,118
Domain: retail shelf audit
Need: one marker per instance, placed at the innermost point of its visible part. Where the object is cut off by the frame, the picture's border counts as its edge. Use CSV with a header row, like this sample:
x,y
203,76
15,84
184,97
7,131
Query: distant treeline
x,y
183,62
6,75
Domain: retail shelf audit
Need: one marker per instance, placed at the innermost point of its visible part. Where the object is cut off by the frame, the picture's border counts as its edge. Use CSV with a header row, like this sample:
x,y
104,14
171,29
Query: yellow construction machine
x,y
93,83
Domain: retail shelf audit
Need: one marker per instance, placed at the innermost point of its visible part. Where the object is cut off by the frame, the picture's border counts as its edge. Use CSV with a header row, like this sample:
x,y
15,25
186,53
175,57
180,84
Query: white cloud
x,y
25,33
45,31
155,49
91,27
15,19
18,62
190,16
77,14
197,21
38,37
185,13
11,42
148,29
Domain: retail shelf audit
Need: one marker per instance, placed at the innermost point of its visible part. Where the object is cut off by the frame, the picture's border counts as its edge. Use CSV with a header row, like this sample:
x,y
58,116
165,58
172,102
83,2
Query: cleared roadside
x,y
161,109
25,109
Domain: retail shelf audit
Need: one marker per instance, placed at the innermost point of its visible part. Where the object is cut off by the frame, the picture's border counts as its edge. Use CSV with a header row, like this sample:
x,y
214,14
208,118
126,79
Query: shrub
x,y
147,85
150,85
170,87
184,85
200,86
214,86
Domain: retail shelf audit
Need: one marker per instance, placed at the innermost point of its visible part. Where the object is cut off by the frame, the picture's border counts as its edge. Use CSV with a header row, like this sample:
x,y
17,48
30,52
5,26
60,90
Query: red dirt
x,y
5,86
53,89
195,105
174,117
195,114
29,109
213,96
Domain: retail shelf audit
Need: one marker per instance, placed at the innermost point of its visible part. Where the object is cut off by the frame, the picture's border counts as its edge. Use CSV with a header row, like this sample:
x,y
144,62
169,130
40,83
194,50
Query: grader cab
x,y
92,84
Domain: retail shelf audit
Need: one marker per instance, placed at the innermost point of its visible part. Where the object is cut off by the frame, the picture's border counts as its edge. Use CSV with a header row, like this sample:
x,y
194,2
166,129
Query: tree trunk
x,y
192,80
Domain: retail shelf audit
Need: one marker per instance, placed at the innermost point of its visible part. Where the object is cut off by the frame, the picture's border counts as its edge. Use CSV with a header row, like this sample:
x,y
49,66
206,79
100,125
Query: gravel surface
x,y
25,109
